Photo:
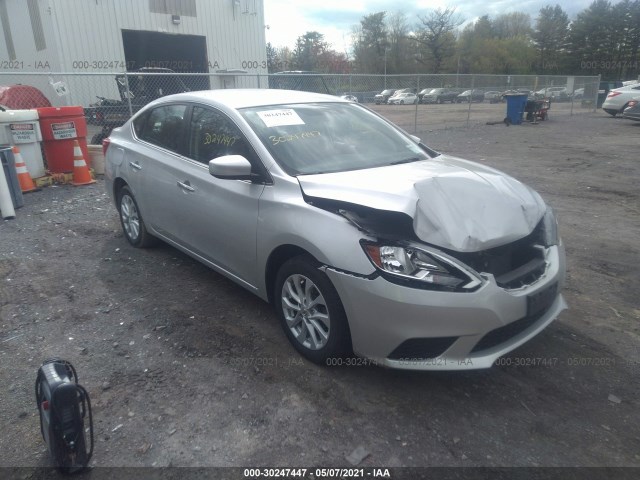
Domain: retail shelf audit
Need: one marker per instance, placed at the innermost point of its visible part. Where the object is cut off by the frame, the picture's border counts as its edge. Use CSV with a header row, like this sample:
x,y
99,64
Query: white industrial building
x,y
100,37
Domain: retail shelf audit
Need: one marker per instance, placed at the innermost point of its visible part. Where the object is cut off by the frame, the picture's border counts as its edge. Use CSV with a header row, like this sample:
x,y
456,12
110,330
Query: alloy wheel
x,y
305,312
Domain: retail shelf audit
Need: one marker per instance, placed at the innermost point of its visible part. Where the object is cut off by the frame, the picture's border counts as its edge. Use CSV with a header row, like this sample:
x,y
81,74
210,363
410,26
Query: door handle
x,y
186,186
135,166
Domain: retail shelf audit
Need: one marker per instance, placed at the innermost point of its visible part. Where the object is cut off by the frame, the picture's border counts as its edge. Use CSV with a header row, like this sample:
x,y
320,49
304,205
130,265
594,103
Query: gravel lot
x,y
185,368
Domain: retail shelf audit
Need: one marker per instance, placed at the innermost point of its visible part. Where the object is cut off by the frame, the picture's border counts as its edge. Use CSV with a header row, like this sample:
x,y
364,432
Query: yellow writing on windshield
x,y
275,140
219,139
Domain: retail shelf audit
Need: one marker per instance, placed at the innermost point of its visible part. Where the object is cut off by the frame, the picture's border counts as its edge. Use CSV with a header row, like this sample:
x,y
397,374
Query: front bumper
x,y
475,328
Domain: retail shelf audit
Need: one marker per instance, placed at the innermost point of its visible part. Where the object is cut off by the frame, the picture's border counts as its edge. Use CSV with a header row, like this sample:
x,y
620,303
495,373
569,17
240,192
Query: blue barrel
x,y
515,108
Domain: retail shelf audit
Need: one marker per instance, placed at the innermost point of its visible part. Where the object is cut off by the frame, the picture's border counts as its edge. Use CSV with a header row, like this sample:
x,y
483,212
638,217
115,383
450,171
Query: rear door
x,y
159,163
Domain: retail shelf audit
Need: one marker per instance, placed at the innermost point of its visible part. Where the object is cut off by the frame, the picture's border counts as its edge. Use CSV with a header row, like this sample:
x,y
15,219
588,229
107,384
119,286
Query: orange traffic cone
x,y
81,173
26,182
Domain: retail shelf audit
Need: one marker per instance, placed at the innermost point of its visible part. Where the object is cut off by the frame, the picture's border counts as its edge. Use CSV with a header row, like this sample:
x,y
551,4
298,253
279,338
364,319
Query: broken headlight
x,y
418,267
549,229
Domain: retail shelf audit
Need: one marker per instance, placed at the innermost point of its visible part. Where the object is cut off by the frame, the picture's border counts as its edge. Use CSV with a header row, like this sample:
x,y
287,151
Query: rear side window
x,y
163,126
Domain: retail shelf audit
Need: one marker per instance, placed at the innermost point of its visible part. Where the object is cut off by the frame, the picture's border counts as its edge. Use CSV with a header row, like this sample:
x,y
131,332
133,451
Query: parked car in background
x,y
403,90
619,98
470,96
422,93
440,95
554,93
598,92
632,112
351,98
383,97
363,238
493,96
404,98
578,94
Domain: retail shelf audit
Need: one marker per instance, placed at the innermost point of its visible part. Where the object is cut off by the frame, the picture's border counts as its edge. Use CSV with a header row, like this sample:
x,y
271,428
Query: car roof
x,y
252,97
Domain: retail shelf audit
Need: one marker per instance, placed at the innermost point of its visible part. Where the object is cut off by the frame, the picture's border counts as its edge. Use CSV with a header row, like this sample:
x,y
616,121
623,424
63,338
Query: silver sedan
x,y
364,239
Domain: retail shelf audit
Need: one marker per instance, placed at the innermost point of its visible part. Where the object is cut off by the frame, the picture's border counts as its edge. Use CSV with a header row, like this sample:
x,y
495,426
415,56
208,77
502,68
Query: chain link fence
x,y
427,102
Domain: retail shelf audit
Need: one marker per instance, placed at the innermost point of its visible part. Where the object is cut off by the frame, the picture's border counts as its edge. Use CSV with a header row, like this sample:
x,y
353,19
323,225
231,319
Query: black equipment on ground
x,y
63,405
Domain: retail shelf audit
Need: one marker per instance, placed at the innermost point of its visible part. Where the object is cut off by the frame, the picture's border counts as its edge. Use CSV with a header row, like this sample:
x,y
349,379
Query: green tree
x,y
593,39
399,55
371,43
550,38
274,63
309,48
502,46
512,25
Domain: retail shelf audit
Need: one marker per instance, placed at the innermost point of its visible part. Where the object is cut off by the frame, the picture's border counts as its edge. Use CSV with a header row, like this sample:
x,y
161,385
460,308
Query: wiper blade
x,y
406,160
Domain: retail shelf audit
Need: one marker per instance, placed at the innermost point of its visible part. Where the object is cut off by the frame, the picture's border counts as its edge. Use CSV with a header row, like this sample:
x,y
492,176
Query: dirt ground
x,y
185,368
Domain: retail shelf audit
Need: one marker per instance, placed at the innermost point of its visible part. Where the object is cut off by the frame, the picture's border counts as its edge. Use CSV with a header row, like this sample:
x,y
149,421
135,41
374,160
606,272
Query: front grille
x,y
422,348
503,334
513,265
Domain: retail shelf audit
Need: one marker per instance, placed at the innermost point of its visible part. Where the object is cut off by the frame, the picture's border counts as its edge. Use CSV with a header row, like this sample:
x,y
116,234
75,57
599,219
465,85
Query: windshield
x,y
316,138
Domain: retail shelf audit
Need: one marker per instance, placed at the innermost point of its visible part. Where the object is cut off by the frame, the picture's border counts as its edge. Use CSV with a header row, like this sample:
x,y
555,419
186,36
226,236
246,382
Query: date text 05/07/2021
x,y
290,472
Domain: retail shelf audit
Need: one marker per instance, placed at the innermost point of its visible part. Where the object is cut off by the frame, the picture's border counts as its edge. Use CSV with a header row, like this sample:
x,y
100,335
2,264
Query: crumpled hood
x,y
455,204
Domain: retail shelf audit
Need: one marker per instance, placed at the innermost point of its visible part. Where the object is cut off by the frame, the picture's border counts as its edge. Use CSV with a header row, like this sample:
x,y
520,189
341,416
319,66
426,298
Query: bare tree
x,y
435,33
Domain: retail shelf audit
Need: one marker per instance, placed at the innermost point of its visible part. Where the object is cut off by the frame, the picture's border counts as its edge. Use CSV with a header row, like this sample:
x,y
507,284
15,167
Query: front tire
x,y
133,226
310,311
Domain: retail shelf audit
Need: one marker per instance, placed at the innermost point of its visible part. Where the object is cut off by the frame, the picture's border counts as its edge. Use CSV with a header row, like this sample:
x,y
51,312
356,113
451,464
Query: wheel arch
x,y
276,259
118,183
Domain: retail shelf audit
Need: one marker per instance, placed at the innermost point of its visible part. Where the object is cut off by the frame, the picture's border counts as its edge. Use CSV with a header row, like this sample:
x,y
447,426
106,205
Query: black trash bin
x,y
9,166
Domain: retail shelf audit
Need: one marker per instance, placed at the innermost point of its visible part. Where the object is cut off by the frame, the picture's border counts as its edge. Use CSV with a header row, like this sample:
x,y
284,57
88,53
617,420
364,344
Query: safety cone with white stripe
x,y
81,173
26,182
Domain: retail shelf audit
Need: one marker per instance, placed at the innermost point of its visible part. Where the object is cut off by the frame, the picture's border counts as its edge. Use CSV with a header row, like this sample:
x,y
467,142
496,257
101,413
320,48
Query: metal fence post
x,y
597,89
126,83
415,118
572,95
470,99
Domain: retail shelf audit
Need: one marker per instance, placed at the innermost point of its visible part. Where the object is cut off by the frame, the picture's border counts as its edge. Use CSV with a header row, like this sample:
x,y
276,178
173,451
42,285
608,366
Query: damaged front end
x,y
402,258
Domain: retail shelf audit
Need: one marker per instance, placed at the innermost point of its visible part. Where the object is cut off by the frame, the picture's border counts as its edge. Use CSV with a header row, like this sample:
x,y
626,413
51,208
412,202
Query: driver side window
x,y
212,135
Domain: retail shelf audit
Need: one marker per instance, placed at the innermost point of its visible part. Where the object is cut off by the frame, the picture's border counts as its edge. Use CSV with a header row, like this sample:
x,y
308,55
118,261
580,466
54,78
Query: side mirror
x,y
231,167
415,139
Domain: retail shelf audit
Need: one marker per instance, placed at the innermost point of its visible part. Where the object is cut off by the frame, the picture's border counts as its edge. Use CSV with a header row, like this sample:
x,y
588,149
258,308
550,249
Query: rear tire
x,y
310,311
133,226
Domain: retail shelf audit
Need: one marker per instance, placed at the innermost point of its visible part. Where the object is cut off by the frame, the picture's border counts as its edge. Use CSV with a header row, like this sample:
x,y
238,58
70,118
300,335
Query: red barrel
x,y
60,126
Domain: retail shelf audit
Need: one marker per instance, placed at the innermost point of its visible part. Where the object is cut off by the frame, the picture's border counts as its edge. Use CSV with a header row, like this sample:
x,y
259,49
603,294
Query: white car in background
x,y
619,98
404,98
555,93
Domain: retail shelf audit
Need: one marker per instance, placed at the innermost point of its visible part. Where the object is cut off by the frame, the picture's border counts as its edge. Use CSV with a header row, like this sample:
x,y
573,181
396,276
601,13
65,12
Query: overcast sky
x,y
288,19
